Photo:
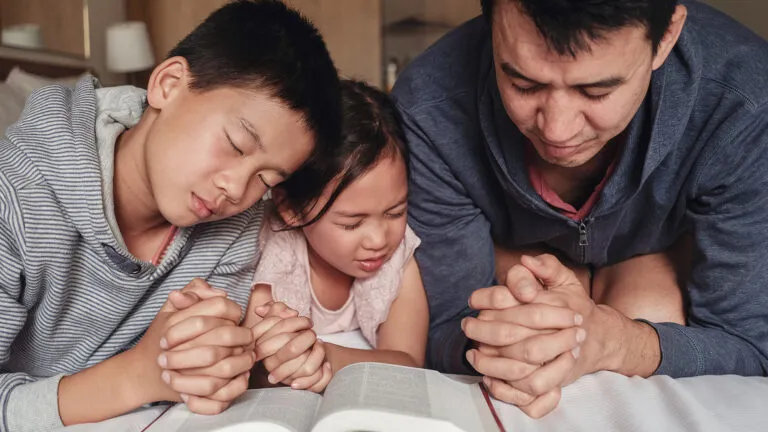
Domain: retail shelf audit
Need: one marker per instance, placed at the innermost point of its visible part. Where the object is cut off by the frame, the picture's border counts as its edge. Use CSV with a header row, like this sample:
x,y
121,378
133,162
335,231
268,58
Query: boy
x,y
111,199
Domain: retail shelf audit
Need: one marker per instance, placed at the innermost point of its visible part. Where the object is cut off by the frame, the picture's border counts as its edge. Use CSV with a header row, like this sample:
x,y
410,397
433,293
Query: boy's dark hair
x,y
371,130
263,44
569,25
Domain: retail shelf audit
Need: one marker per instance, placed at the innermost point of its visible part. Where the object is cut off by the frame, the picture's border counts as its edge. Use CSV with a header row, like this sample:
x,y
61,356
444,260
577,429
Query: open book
x,y
360,397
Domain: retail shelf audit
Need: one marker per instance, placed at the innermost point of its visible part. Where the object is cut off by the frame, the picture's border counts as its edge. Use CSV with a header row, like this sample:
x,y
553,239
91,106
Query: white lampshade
x,y
128,47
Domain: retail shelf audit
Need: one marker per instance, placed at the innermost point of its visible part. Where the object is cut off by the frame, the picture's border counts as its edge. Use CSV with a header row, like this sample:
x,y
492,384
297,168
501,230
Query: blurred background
x,y
121,40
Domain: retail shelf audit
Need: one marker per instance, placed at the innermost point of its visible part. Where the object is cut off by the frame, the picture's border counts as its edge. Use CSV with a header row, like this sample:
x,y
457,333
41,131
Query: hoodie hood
x,y
69,134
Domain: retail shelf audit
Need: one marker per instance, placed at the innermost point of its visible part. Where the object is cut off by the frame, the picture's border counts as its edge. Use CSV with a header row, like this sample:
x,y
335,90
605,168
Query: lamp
x,y
128,49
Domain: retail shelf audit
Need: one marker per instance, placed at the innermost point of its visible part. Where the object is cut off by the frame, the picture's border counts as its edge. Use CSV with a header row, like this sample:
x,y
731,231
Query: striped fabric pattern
x,y
70,295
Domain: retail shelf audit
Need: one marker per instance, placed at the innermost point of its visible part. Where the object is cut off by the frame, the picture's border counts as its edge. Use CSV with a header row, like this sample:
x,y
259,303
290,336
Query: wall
x,y
752,13
61,26
353,41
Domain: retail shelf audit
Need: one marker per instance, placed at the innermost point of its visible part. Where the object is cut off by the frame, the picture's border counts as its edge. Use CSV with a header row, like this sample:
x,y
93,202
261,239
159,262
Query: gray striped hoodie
x,y
71,295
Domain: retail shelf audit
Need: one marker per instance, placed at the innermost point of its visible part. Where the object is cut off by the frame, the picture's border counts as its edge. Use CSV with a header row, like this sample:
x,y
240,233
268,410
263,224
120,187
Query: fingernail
x,y
471,356
581,334
578,319
327,365
184,397
464,325
271,379
294,385
163,343
486,381
575,352
535,261
166,377
162,360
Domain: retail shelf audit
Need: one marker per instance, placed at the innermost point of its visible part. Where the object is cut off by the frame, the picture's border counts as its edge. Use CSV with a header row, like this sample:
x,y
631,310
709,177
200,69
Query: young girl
x,y
345,258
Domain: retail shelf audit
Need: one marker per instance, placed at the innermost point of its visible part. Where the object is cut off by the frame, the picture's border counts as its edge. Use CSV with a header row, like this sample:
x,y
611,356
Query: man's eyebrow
x,y
514,73
255,135
602,84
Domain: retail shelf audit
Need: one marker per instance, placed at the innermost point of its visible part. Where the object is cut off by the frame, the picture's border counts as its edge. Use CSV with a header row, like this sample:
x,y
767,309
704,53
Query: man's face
x,y
212,154
569,108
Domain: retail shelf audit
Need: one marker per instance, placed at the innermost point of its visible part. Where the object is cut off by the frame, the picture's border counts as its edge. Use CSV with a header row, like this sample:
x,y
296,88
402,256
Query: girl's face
x,y
366,223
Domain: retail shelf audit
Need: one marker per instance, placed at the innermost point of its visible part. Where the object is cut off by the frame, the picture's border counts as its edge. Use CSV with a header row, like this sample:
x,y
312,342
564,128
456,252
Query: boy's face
x,y
366,223
213,154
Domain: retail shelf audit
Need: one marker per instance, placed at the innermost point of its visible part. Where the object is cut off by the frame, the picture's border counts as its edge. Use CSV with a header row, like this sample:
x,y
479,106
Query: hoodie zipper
x,y
583,240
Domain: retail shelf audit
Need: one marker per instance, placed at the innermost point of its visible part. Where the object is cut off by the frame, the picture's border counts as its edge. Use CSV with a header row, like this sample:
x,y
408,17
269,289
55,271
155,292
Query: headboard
x,y
40,67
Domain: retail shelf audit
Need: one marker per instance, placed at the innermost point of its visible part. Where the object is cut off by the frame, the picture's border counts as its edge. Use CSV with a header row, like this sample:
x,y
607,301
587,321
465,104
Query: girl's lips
x,y
371,265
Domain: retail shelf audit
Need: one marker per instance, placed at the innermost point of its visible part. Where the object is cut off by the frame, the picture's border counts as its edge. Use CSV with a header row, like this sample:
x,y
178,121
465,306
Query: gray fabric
x,y
71,295
694,161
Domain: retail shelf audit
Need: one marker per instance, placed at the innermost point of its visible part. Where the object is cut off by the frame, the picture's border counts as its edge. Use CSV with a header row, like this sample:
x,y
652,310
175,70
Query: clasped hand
x,y
529,336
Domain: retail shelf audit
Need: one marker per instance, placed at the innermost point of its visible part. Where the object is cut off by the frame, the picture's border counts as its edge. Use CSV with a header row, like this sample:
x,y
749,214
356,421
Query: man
x,y
610,134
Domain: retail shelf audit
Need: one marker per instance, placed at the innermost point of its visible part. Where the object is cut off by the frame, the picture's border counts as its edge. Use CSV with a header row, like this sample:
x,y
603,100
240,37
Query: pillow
x,y
11,105
25,83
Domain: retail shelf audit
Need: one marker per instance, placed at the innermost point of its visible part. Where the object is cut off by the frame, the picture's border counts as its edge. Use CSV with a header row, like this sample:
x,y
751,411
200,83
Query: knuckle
x,y
530,354
499,296
506,334
537,316
548,258
227,369
538,385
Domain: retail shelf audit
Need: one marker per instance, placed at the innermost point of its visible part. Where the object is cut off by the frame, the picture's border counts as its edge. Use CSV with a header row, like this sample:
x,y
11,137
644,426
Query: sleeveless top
x,y
284,266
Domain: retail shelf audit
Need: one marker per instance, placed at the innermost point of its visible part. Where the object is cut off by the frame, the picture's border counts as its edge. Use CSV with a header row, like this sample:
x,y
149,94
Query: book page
x,y
407,391
293,410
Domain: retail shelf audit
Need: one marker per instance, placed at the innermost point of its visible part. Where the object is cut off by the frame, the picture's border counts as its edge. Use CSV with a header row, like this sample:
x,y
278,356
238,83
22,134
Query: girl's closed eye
x,y
396,215
351,227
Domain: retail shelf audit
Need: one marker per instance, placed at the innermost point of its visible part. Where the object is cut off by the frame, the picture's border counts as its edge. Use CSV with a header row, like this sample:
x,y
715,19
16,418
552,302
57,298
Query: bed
x,y
19,77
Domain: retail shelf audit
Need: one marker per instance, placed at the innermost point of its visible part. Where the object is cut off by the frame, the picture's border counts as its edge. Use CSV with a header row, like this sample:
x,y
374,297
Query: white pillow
x,y
11,105
25,83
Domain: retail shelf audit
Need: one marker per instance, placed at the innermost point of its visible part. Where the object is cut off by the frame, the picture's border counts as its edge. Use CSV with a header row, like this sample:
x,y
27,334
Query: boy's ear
x,y
284,210
167,80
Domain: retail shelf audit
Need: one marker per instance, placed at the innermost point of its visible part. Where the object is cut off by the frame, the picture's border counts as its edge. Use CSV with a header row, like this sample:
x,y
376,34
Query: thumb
x,y
202,290
550,271
179,300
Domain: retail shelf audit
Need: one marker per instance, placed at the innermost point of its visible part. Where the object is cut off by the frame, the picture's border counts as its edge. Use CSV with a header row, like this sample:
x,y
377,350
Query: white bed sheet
x,y
601,402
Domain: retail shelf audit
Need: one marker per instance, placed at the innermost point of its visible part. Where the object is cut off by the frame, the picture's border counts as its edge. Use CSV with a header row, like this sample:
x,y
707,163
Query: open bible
x,y
360,397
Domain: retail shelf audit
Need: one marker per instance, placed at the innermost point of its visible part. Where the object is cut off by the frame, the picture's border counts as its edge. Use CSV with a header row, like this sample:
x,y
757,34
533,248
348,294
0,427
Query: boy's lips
x,y
202,208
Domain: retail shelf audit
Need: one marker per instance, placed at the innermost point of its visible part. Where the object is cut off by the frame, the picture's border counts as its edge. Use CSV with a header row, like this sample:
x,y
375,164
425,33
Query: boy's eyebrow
x,y
609,82
255,135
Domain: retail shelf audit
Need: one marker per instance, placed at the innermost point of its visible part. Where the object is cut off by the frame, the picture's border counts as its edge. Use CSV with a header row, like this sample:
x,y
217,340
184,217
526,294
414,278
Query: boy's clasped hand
x,y
197,352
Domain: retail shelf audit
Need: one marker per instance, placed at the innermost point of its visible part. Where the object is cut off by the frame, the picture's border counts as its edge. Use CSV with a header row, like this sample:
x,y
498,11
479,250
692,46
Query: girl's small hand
x,y
314,374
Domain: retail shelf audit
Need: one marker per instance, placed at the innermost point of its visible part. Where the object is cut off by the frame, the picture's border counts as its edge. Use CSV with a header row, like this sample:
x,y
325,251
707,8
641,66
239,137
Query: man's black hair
x,y
569,25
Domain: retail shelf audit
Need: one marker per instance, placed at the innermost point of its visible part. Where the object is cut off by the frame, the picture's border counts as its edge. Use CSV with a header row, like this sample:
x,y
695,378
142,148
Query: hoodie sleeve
x,y
456,253
27,403
727,332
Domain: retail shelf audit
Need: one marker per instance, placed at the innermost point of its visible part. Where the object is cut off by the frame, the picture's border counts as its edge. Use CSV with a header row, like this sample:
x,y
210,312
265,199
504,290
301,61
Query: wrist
x,y
630,348
134,381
